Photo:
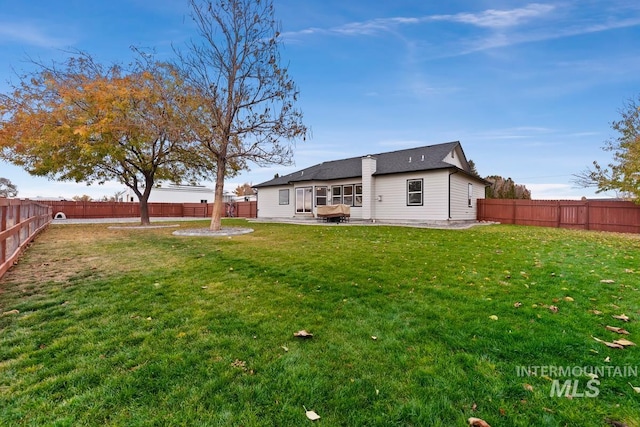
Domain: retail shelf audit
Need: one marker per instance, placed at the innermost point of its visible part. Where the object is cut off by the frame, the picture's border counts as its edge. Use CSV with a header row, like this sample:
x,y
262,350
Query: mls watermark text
x,y
576,381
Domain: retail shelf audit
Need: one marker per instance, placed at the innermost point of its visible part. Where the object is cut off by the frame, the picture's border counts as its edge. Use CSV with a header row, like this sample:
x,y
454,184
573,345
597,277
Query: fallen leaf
x,y
613,345
624,342
622,317
607,281
608,344
10,312
617,330
528,387
517,304
493,317
303,334
568,299
596,312
239,364
373,337
636,389
607,359
285,348
477,422
553,308
311,415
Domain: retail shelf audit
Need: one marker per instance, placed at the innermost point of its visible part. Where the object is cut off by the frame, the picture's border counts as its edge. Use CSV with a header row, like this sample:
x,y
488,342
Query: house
x,y
423,184
174,193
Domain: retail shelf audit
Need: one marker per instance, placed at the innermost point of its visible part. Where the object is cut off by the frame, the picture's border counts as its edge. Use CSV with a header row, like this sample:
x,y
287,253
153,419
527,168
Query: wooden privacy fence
x,y
87,210
618,216
20,222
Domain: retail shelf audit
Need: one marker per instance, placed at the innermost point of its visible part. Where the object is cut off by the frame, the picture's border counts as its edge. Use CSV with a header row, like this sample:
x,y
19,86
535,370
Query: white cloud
x,y
30,34
507,27
491,18
499,18
498,40
555,191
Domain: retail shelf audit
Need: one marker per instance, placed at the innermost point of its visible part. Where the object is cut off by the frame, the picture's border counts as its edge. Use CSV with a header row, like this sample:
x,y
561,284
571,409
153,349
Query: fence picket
x,y
599,215
20,222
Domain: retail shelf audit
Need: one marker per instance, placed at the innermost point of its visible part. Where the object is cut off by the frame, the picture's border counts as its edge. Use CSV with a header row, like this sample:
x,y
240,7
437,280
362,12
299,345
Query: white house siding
x,y
175,194
368,187
454,157
460,209
392,192
269,198
269,203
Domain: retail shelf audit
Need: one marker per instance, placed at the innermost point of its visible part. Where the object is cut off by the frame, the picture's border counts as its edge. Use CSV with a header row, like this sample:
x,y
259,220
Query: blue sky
x,y
528,88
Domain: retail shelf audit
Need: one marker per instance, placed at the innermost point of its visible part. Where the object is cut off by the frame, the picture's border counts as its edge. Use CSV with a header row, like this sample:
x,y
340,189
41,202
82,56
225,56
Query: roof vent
x,y
409,159
301,173
422,160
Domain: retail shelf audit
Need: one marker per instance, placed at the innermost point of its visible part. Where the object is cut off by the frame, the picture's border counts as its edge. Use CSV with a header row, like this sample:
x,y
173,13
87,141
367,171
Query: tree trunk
x,y
218,201
144,201
144,211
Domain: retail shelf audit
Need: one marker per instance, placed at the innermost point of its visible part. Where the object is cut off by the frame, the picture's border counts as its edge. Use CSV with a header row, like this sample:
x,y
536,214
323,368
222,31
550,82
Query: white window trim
x,y
421,192
280,193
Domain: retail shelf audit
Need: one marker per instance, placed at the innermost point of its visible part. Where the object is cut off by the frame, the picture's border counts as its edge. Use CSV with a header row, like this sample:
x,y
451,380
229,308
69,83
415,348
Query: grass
x,y
142,328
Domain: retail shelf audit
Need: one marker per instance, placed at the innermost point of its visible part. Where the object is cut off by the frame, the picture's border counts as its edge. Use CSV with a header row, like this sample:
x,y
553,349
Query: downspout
x,y
451,173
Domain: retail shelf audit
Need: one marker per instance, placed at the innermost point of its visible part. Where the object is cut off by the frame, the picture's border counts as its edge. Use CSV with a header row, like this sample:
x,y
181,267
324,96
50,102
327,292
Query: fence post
x,y
586,213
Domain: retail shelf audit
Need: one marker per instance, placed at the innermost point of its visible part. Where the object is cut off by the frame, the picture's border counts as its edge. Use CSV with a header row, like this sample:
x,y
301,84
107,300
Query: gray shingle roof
x,y
410,160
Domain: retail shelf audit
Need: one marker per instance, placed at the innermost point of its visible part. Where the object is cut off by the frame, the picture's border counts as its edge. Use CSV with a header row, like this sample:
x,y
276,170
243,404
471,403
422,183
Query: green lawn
x,y
412,327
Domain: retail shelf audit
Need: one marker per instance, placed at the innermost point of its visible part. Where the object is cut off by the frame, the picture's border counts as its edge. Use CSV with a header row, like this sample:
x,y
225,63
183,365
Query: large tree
x,y
501,188
7,188
622,175
247,112
244,190
83,121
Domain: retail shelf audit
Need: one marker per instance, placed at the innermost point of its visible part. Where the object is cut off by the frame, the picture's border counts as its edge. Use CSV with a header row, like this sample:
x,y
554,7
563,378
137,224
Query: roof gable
x,y
425,158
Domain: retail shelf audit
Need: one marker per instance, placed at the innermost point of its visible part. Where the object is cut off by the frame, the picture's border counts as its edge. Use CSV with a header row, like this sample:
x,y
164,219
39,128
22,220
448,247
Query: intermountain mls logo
x,y
576,381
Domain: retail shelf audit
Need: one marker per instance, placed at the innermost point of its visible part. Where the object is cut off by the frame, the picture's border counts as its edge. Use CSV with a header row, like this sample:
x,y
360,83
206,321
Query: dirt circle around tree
x,y
141,227
206,232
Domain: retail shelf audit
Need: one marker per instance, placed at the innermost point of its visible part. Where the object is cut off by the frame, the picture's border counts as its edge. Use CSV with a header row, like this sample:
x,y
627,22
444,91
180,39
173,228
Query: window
x,y
304,199
344,194
358,200
414,192
336,195
470,195
203,201
347,195
321,196
284,197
